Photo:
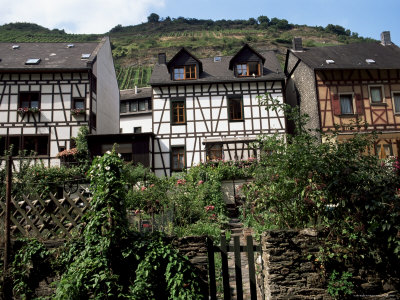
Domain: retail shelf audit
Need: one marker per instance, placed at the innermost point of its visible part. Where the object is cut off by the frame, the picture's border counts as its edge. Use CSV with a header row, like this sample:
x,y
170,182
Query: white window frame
x,y
382,94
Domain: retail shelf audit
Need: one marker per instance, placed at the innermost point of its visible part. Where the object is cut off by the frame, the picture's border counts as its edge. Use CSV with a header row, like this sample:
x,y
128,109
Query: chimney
x,y
135,89
385,38
297,44
162,58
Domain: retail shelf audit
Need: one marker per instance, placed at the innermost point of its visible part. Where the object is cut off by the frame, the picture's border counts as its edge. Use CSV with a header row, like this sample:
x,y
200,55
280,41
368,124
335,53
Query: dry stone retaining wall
x,y
289,273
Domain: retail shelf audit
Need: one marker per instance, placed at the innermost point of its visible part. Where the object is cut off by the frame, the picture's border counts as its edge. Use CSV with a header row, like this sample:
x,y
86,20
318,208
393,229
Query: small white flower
x,y
98,165
108,168
108,152
119,155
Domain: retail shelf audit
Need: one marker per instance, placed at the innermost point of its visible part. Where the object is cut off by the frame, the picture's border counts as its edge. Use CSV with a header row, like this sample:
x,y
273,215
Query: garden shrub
x,y
338,187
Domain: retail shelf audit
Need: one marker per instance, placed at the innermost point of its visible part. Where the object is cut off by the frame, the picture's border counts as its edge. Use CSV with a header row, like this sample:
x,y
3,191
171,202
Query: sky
x,y
366,17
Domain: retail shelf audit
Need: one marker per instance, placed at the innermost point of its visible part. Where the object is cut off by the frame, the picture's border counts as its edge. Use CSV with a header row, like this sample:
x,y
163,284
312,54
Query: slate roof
x,y
218,72
53,56
145,92
351,56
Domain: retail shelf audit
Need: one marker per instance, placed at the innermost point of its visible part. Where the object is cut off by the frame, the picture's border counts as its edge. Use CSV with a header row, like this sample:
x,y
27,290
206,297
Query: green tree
x,y
153,18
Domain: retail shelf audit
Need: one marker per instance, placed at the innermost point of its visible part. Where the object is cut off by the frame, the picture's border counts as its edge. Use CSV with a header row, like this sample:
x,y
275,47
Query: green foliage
x,y
30,263
338,187
93,270
82,156
340,286
109,261
33,177
163,267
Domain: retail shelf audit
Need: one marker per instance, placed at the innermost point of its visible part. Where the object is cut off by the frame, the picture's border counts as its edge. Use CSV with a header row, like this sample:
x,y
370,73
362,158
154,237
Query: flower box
x,y
25,110
78,111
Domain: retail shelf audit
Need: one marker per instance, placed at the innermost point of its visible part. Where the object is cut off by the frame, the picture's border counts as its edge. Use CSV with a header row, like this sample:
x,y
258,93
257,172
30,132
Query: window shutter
x,y
336,105
359,104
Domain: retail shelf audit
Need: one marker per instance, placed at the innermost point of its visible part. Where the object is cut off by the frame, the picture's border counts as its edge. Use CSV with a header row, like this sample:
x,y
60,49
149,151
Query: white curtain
x,y
346,106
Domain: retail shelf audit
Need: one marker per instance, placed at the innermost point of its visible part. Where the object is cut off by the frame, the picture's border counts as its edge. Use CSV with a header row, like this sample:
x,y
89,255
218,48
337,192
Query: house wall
x,y
128,122
300,90
207,117
55,118
379,117
107,91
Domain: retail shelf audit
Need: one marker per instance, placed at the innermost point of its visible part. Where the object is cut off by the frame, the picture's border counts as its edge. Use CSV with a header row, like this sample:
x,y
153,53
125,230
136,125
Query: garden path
x,y
237,229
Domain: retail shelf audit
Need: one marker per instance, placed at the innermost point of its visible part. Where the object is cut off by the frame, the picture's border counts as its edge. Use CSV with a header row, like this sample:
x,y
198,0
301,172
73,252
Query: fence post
x,y
6,283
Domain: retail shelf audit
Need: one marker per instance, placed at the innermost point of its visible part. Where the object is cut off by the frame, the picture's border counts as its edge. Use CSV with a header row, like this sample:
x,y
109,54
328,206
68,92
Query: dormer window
x,y
185,72
248,69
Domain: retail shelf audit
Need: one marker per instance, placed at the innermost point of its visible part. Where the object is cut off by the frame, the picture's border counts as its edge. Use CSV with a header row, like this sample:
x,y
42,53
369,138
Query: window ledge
x,y
132,113
177,124
348,115
241,120
379,104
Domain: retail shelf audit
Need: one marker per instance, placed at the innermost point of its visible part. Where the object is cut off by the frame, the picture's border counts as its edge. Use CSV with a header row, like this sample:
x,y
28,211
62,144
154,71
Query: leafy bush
x,y
338,187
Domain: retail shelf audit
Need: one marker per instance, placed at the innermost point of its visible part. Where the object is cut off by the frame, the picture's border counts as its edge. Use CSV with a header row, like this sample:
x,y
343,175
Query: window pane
x,y
242,70
376,94
123,107
346,104
254,69
178,73
14,142
190,72
178,158
214,152
133,106
42,145
396,102
142,105
178,112
235,109
79,104
29,99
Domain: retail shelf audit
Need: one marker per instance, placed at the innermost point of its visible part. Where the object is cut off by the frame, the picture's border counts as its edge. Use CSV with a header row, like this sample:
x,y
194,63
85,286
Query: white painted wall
x,y
127,123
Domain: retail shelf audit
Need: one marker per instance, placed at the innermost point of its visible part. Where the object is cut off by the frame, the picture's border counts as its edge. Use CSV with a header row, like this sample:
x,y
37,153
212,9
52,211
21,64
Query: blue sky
x,y
366,17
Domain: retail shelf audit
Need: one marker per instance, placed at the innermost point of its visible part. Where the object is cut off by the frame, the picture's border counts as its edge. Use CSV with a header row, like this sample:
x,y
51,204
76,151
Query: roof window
x,y
85,56
217,58
370,61
330,61
70,46
15,47
32,61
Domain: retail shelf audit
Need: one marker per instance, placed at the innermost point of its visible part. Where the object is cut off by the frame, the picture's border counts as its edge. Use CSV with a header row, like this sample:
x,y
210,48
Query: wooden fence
x,y
237,249
45,219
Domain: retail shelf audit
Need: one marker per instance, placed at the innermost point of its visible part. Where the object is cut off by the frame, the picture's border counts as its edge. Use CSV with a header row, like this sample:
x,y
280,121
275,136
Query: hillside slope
x,y
135,48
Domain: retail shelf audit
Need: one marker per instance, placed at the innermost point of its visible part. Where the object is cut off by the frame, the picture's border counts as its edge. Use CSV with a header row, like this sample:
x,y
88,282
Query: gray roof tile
x,y
352,56
142,93
214,72
53,56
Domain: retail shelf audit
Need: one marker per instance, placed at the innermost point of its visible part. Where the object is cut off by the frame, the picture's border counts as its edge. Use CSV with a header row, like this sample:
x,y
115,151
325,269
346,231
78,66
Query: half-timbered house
x,y
348,84
207,109
49,90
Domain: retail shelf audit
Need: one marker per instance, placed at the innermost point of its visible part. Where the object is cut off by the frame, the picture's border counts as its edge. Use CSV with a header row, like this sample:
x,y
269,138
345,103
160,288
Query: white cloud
x,y
78,16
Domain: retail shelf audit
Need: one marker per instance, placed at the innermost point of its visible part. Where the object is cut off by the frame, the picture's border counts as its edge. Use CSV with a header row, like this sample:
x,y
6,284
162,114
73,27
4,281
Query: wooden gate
x,y
224,249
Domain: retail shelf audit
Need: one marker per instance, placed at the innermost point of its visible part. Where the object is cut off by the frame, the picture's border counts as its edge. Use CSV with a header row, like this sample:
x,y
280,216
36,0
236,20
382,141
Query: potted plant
x,y
24,110
77,111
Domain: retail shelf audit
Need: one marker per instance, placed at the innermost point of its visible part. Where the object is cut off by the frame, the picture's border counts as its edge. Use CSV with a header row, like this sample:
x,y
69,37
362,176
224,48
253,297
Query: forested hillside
x,y
135,47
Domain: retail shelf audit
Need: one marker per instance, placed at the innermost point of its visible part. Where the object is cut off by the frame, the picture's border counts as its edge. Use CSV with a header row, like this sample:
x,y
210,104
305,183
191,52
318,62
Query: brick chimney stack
x,y
297,44
385,38
162,58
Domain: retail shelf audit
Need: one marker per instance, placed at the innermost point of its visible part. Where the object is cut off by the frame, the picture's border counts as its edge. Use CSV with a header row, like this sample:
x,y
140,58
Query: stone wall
x,y
289,273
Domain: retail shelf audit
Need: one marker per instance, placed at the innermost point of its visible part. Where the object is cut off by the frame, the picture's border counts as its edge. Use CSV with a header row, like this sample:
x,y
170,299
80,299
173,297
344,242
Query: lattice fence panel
x,y
45,219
